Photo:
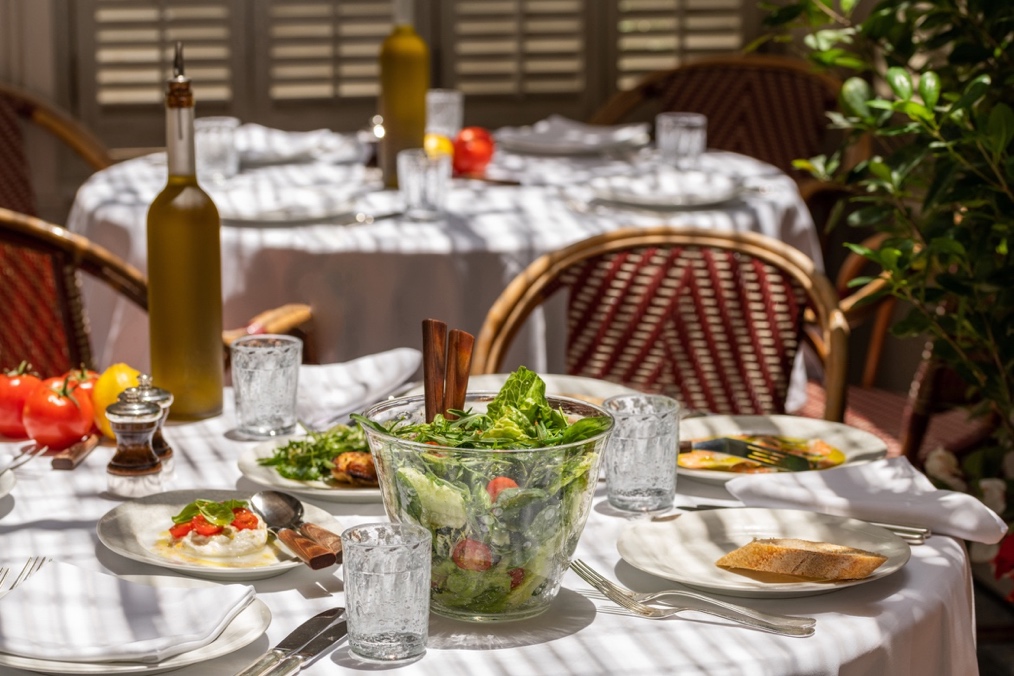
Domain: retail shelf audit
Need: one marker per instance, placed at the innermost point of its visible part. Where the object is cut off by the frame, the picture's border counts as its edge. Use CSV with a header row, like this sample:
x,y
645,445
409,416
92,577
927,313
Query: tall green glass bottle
x,y
404,79
185,270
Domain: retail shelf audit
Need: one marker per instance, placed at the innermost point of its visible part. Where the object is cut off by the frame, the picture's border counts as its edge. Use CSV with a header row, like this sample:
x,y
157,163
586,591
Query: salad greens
x,y
505,494
311,458
218,513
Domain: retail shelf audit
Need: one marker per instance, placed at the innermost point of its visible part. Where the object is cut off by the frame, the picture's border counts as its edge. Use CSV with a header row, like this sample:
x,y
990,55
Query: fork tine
x,y
32,566
3,575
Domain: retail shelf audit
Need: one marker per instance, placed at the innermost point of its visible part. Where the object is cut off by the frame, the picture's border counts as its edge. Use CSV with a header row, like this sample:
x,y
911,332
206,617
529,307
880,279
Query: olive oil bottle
x,y
404,79
185,270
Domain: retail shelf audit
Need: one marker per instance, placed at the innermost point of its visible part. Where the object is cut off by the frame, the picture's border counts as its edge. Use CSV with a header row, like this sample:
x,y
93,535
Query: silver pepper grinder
x,y
147,392
135,470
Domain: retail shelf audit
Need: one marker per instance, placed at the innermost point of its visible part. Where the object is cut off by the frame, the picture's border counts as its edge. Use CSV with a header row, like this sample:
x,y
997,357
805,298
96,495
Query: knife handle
x,y
323,536
289,665
268,659
314,555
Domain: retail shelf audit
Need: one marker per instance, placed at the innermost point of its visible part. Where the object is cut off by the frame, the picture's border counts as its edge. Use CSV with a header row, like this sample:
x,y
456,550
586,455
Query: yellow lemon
x,y
113,380
437,145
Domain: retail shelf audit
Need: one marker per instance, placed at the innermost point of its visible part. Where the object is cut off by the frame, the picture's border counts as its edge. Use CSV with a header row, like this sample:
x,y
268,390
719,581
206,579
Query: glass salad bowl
x,y
506,519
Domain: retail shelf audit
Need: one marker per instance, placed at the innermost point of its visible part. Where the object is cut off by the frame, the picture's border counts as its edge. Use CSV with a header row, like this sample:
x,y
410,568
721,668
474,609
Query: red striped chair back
x,y
713,319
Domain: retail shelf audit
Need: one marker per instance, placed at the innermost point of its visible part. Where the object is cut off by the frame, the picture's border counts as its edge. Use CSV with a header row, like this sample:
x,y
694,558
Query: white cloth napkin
x,y
889,490
330,391
562,135
263,145
71,614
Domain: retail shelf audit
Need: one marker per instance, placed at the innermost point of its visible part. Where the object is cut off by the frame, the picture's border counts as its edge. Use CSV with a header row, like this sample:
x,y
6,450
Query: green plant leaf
x,y
1000,127
855,93
975,90
900,82
929,88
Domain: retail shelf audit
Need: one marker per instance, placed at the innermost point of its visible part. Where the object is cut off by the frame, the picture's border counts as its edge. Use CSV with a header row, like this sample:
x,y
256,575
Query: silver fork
x,y
776,624
31,567
30,451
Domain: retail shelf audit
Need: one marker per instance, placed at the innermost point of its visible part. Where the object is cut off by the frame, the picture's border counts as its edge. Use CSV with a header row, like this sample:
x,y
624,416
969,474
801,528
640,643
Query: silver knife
x,y
311,651
302,635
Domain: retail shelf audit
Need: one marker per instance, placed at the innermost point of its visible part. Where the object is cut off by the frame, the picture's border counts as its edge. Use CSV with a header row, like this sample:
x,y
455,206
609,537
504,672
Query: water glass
x,y
681,138
423,181
265,374
641,455
215,145
445,110
387,590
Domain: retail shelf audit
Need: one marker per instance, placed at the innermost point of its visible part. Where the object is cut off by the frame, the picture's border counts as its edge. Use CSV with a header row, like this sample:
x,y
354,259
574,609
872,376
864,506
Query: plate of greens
x,y
307,465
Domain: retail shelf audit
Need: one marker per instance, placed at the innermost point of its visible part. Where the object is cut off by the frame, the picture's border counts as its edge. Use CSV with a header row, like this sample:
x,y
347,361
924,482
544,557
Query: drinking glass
x,y
444,112
215,145
641,454
265,373
423,180
681,138
387,590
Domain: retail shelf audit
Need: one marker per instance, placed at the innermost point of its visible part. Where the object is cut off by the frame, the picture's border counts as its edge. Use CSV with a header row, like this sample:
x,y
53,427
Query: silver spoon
x,y
283,513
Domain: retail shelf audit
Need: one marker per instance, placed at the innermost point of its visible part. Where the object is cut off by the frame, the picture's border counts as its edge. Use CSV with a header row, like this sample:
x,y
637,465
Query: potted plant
x,y
931,84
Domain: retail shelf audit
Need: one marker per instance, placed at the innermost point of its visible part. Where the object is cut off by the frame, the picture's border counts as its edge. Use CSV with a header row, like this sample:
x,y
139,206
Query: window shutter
x,y
518,47
134,41
658,34
326,49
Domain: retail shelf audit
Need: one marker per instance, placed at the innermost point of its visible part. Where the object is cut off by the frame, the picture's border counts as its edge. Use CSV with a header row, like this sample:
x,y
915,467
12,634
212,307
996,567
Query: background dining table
x,y
286,238
918,620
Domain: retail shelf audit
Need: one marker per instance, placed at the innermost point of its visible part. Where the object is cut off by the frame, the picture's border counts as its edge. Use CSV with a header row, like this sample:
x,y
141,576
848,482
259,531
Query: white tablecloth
x,y
917,621
370,286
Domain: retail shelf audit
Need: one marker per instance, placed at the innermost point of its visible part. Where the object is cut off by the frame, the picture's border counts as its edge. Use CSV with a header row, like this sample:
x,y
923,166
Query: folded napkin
x,y
330,391
889,490
71,614
558,134
263,145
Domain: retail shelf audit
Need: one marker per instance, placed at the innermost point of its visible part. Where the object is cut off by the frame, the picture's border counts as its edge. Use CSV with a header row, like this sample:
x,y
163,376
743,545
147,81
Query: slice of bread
x,y
803,558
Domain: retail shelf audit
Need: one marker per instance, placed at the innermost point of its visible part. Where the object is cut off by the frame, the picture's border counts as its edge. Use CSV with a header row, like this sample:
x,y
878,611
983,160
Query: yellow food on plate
x,y
803,558
107,389
818,452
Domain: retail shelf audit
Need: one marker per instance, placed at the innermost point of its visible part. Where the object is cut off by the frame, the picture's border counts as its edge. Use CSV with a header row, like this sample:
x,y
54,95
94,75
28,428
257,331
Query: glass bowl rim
x,y
487,395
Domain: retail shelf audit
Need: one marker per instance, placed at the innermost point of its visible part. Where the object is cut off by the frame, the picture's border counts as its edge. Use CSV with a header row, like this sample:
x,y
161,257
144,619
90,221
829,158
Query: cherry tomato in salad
x,y
472,555
245,519
517,576
180,530
473,149
56,416
15,386
205,527
498,484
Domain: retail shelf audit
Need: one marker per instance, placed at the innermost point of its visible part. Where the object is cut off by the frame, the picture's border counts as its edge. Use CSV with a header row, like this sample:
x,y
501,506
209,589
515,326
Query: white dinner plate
x,y
857,445
575,387
7,481
268,476
558,135
244,629
134,528
685,550
667,188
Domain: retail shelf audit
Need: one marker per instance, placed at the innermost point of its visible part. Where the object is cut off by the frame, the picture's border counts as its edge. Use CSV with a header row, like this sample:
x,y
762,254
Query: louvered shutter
x,y
658,34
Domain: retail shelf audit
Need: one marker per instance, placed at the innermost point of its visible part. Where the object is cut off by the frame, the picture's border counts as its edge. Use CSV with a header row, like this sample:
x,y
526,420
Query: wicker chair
x,y
712,319
51,304
772,108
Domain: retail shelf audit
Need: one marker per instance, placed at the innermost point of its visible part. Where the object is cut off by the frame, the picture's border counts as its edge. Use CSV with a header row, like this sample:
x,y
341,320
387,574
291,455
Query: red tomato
x,y
517,576
204,527
15,386
473,149
82,381
245,519
55,416
472,555
498,484
181,529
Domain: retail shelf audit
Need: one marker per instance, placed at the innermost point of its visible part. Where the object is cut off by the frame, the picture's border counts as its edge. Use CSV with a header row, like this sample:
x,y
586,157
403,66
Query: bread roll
x,y
803,558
